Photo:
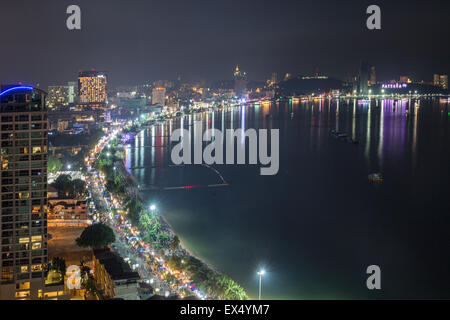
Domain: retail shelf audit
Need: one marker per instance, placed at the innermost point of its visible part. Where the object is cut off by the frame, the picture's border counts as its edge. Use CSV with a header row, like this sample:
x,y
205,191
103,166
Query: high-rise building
x,y
92,87
23,179
436,79
58,96
92,92
441,80
73,91
240,82
159,96
373,76
363,78
62,95
274,78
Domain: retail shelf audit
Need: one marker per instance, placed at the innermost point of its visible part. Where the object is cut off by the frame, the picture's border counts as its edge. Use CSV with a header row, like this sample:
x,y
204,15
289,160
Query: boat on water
x,y
338,134
376,177
344,136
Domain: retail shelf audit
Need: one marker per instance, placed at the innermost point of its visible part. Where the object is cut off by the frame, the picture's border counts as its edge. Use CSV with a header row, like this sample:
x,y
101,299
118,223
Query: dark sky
x,y
139,40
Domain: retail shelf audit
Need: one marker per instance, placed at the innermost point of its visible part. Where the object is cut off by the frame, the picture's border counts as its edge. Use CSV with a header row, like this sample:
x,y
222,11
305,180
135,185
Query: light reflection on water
x,y
319,223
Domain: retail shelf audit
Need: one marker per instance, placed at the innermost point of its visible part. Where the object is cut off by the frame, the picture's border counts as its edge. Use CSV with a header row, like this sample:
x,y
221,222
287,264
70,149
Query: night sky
x,y
146,40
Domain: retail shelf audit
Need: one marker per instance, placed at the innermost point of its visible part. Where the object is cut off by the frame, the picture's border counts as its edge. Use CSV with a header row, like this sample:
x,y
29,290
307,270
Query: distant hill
x,y
229,85
299,86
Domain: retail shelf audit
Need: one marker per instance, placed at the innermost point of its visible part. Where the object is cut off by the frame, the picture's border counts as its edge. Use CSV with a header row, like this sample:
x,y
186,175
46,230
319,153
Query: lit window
x,y
23,286
24,269
22,294
36,238
24,195
36,149
36,245
36,267
51,294
25,240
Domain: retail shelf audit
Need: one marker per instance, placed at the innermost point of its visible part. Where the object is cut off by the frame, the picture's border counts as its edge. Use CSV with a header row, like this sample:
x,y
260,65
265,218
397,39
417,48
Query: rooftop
x,y
116,267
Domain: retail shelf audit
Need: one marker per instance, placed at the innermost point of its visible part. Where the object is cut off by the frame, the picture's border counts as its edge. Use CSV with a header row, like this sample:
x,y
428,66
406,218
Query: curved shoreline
x,y
183,250
166,225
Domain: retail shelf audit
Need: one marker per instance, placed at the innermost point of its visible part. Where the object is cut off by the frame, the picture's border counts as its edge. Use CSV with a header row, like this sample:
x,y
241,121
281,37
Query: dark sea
x,y
319,223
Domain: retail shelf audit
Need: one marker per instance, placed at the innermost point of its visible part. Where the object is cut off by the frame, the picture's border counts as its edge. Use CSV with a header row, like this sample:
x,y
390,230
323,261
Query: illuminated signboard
x,y
394,85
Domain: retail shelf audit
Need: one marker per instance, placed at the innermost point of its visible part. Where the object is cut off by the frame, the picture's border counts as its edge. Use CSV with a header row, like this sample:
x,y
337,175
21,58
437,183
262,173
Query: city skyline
x,y
223,151
138,43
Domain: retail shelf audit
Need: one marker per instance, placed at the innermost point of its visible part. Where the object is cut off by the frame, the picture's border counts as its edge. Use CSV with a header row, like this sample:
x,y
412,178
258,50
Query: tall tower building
x,y
441,80
159,96
240,82
73,91
373,76
436,79
23,182
274,78
363,78
92,87
92,92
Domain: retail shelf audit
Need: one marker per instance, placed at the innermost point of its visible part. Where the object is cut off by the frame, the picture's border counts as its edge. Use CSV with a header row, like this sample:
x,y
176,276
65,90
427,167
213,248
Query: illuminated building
x,y
67,210
24,192
287,76
436,79
441,80
159,96
240,82
73,91
62,95
163,83
373,76
58,96
405,79
113,276
363,78
92,92
273,79
92,87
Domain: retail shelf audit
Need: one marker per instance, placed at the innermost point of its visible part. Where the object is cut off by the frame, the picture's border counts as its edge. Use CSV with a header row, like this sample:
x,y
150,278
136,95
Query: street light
x,y
69,166
152,207
260,273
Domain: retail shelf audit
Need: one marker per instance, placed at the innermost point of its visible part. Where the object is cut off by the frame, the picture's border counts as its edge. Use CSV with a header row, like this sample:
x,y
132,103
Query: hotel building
x,y
92,92
23,183
159,96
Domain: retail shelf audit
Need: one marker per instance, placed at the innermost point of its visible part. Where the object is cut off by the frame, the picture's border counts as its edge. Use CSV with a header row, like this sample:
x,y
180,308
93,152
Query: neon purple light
x,y
394,85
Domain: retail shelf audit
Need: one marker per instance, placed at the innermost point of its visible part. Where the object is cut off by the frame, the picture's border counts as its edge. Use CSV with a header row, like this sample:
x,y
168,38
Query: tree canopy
x,y
98,235
174,243
54,164
69,188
